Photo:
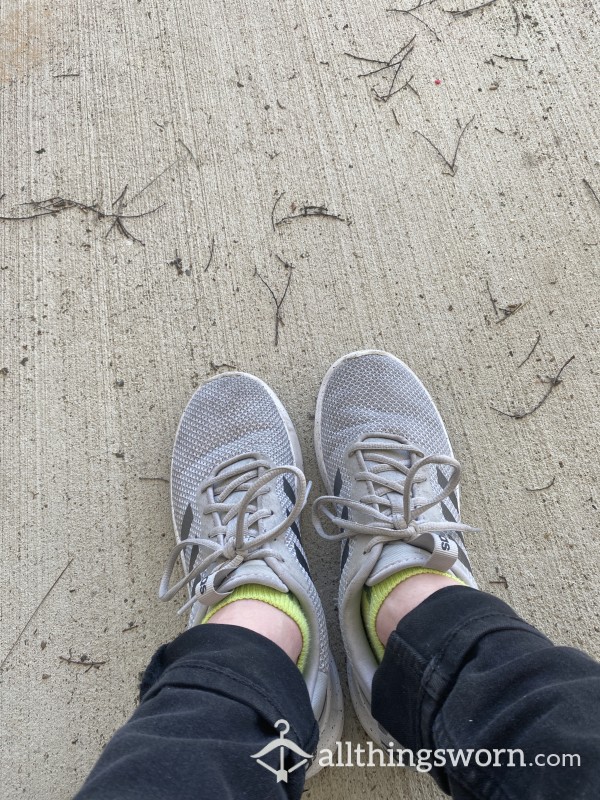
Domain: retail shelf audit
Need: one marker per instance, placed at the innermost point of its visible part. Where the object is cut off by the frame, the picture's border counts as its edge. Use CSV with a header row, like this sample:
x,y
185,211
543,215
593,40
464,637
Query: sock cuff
x,y
284,601
374,596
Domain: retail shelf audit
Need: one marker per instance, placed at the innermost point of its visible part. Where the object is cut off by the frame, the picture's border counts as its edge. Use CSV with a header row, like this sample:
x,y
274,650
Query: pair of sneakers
x,y
237,492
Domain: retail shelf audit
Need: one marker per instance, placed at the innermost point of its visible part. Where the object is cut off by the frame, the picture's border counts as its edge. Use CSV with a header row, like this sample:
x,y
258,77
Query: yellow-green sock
x,y
373,597
286,602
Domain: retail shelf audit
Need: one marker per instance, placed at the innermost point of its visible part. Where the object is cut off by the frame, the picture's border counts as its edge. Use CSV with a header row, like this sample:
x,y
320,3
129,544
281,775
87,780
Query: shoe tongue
x,y
389,474
249,571
236,496
395,556
253,572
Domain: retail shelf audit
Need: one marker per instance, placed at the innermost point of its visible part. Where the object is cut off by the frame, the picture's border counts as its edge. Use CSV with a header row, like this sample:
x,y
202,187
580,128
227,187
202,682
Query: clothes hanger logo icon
x,y
282,744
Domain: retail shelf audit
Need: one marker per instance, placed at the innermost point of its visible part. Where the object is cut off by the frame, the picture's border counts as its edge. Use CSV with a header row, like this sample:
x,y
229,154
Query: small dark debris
x,y
130,627
542,488
509,310
178,264
511,58
214,367
312,211
210,255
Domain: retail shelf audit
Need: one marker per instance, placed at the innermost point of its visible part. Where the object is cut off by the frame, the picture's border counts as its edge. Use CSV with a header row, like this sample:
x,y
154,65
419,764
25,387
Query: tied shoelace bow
x,y
247,543
391,521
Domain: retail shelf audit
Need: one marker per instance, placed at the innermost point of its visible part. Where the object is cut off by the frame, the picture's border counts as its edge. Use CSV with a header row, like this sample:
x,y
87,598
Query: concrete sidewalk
x,y
209,113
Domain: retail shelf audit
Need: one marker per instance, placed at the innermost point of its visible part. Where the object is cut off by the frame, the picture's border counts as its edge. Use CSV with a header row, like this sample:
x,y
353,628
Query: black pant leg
x,y
209,701
463,670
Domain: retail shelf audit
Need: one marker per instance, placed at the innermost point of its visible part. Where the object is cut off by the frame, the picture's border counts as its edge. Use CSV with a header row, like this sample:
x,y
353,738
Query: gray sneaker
x,y
386,460
237,491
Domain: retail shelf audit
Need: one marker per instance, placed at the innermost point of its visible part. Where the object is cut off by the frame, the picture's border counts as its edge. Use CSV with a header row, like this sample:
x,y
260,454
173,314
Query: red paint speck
x,y
438,82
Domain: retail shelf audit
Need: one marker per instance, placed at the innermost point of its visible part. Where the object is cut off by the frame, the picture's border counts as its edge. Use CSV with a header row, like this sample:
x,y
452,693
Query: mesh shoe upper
x,y
226,417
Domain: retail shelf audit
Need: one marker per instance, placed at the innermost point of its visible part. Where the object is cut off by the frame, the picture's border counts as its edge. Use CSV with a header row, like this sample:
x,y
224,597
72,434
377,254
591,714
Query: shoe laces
x,y
225,551
390,520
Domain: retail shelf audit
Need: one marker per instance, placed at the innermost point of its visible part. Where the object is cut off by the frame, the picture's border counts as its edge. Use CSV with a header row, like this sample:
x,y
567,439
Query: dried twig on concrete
x,y
509,310
421,4
117,222
211,254
160,174
311,211
395,63
531,352
553,382
190,154
450,164
56,205
28,216
510,58
542,488
283,262
82,661
517,20
35,611
468,11
214,367
406,85
493,299
591,190
273,223
278,303
410,12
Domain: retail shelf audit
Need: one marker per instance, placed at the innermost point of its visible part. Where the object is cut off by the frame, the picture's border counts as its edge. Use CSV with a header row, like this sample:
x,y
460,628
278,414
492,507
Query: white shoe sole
x,y
331,723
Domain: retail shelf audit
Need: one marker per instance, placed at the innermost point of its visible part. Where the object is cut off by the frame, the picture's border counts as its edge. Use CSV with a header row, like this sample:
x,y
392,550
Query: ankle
x,y
404,598
265,619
